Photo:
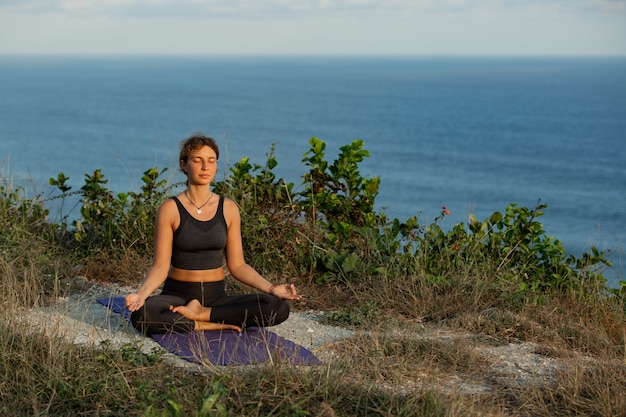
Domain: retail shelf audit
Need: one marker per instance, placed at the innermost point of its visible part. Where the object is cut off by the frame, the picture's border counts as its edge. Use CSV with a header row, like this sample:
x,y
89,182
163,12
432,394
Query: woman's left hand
x,y
286,292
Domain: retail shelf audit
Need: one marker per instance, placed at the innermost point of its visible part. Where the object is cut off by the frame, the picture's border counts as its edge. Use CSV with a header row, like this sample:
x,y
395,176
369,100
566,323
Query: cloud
x,y
295,8
314,26
168,8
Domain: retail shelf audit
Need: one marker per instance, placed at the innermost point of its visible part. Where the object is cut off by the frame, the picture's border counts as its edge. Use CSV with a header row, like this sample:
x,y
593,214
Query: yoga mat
x,y
226,347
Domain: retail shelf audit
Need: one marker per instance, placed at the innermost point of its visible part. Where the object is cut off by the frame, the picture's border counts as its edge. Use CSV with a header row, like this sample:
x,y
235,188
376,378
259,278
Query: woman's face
x,y
201,165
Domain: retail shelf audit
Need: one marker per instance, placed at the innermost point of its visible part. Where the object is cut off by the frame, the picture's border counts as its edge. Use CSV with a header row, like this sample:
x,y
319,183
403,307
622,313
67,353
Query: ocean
x,y
473,134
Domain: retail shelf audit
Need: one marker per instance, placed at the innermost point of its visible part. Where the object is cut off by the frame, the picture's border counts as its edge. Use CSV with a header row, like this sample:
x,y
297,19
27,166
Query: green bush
x,y
29,250
329,228
117,223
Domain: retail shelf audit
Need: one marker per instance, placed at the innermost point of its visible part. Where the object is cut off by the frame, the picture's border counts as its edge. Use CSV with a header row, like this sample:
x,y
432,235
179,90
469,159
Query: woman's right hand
x,y
134,302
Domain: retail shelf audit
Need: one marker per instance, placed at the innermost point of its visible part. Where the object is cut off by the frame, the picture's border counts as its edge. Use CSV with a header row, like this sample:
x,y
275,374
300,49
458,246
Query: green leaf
x,y
351,263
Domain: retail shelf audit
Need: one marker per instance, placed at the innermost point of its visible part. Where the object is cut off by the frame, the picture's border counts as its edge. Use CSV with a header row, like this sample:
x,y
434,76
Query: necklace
x,y
198,208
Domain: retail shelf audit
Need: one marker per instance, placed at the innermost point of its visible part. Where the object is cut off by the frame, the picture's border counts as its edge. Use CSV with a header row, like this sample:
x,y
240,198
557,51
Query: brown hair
x,y
196,141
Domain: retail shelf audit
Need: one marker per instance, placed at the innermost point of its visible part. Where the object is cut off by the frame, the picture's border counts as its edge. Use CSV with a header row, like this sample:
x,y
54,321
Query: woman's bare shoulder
x,y
169,203
230,204
230,208
168,208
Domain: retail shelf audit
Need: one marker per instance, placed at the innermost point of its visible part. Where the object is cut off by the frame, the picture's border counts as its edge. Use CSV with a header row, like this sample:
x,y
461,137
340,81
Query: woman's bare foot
x,y
201,316
193,311
207,325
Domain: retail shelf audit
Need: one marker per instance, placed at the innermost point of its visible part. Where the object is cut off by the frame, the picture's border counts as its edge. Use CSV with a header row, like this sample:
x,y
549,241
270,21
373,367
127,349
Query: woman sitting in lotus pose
x,y
194,232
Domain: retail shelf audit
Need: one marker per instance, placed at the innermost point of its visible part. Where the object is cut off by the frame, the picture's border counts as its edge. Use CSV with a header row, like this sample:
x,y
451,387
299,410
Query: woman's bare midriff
x,y
205,275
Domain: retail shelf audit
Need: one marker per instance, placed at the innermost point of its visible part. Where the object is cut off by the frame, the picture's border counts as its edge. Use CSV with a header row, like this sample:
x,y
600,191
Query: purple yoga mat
x,y
226,347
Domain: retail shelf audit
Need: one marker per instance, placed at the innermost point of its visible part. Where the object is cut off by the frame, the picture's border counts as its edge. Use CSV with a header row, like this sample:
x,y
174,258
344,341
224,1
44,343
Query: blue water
x,y
473,134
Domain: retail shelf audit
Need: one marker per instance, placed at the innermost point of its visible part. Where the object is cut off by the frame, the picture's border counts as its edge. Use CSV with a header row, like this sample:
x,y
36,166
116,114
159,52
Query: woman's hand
x,y
285,291
134,302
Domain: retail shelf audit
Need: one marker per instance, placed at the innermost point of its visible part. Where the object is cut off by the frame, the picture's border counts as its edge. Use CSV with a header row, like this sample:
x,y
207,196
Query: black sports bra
x,y
199,244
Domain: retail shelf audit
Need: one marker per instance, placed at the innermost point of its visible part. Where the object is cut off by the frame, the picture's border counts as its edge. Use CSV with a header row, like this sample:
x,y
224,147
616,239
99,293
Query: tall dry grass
x,y
422,347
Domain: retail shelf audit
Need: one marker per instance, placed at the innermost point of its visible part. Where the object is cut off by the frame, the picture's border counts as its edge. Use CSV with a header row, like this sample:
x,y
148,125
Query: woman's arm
x,y
163,238
236,263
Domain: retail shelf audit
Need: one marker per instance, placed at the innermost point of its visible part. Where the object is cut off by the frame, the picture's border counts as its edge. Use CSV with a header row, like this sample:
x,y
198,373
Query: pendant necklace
x,y
198,208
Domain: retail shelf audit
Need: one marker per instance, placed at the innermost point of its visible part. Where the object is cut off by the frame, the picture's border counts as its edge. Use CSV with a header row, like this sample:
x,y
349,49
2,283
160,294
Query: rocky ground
x,y
82,320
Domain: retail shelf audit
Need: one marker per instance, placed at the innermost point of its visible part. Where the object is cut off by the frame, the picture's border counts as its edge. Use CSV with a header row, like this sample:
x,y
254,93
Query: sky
x,y
331,27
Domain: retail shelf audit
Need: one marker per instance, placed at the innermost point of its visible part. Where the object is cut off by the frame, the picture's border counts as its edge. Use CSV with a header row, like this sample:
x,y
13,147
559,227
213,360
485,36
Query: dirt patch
x,y
80,319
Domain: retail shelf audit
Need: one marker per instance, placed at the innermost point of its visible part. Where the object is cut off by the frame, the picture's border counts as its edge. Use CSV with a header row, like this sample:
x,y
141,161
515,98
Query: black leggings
x,y
242,310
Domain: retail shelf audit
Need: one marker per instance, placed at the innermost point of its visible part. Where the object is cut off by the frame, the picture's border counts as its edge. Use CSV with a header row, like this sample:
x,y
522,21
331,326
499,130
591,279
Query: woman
x,y
194,232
